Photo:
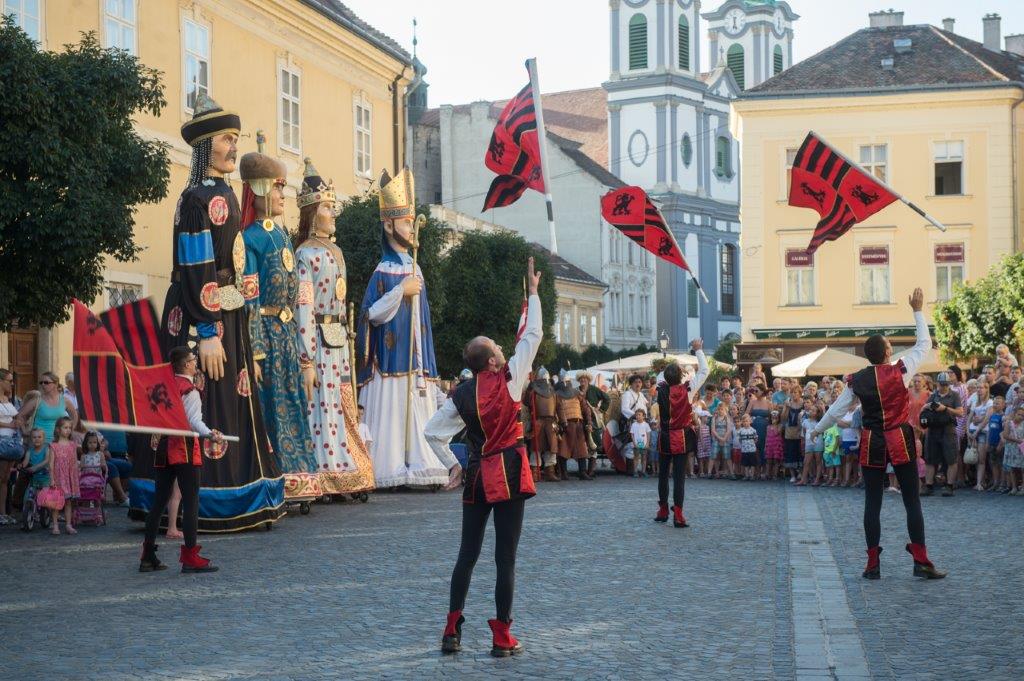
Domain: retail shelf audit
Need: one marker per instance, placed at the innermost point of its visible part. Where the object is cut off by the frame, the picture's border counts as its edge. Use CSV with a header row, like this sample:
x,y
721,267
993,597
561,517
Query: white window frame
x,y
186,19
873,165
869,270
121,24
784,285
593,329
947,158
360,100
113,277
19,21
948,266
787,166
285,72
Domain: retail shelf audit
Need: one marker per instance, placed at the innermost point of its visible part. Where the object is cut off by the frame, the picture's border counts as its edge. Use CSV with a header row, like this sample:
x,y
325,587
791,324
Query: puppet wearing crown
x,y
395,302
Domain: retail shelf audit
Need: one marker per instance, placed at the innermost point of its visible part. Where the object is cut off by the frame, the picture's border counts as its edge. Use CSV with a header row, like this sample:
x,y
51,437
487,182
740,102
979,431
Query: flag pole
x,y
700,289
542,143
147,430
889,188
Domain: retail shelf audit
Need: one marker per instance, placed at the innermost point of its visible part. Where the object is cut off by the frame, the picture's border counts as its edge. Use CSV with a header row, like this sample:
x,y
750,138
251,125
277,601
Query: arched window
x,y
734,60
684,43
777,60
728,276
637,42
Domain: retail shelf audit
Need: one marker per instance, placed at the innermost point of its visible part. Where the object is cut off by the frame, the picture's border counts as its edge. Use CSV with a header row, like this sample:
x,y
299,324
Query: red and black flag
x,y
632,212
513,152
840,191
120,375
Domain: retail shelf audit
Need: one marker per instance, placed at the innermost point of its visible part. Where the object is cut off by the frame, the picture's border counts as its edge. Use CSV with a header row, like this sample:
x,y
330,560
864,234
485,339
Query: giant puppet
x,y
325,351
242,486
396,345
271,289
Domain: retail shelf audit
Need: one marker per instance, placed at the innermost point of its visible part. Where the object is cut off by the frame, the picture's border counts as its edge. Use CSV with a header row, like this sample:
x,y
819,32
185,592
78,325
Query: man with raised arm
x,y
887,437
498,473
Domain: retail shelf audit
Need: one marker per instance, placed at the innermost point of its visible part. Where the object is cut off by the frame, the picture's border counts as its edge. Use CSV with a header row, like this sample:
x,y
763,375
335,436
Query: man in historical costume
x,y
599,402
678,437
498,475
543,408
574,419
270,286
242,485
326,343
888,438
394,326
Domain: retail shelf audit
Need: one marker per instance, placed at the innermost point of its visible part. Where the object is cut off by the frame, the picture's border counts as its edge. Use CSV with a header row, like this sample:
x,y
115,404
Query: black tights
x,y
187,476
508,524
874,486
677,462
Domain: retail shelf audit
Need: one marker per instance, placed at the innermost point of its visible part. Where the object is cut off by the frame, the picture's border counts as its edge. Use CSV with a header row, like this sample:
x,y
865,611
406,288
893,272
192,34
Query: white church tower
x,y
668,132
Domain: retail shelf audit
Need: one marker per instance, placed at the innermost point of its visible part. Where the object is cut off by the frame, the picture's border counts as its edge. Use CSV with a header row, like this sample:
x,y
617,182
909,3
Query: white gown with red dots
x,y
345,465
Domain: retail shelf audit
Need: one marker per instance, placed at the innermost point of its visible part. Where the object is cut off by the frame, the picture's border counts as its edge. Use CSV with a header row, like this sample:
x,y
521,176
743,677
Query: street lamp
x,y
663,340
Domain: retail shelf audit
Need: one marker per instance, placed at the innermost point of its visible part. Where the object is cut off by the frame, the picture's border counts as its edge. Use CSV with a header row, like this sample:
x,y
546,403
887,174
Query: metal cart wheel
x,y
304,508
363,497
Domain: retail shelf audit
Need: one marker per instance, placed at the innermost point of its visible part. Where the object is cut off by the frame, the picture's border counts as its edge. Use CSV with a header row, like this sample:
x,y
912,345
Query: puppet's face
x,y
399,233
325,213
224,153
276,199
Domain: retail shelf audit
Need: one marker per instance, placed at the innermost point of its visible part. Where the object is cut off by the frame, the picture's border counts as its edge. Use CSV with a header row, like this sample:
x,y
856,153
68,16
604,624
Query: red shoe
x,y
451,640
922,566
873,569
191,561
662,516
504,643
678,519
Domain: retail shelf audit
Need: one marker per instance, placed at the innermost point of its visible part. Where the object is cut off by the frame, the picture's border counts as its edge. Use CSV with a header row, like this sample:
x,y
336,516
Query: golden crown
x,y
314,189
397,196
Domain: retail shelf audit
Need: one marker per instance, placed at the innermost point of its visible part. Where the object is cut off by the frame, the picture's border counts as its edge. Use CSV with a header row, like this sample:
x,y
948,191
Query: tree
x,y
981,315
482,276
72,170
724,351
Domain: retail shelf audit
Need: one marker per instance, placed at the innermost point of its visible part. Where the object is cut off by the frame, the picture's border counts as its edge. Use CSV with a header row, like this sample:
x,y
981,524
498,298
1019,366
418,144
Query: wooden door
x,y
23,349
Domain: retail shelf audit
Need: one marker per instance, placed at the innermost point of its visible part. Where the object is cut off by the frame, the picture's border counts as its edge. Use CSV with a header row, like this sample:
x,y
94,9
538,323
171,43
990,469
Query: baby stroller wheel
x,y
28,516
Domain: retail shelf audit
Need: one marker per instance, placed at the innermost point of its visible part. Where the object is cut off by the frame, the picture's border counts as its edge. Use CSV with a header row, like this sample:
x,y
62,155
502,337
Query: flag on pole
x,y
137,391
513,152
632,212
840,191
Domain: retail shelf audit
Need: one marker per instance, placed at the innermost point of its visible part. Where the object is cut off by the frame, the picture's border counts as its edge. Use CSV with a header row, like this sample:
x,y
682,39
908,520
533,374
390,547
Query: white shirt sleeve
x,y
701,376
630,403
836,411
386,307
912,360
194,411
440,429
521,362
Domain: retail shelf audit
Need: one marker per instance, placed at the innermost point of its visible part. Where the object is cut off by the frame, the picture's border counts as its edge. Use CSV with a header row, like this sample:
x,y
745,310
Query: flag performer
x,y
498,473
842,192
887,437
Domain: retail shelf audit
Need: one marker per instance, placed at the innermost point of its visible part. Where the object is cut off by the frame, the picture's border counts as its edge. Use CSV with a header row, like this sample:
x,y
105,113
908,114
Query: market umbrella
x,y
932,362
642,361
824,362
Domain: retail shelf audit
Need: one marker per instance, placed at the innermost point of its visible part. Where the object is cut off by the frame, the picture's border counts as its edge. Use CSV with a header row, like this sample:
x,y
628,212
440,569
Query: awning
x,y
824,362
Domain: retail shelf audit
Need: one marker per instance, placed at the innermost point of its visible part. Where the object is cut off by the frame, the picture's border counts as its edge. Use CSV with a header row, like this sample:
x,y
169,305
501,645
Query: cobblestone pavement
x,y
765,585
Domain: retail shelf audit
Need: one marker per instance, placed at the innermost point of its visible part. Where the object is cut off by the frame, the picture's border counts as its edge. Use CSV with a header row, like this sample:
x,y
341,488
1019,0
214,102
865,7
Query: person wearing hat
x,y
394,327
270,286
242,485
543,408
574,422
325,354
887,437
940,442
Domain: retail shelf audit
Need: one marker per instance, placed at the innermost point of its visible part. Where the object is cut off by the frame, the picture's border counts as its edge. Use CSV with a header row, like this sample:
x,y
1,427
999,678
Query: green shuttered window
x,y
637,42
684,44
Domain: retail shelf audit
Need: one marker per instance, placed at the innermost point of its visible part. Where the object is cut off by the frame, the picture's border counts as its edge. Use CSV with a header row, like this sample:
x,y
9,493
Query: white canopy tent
x,y
824,362
932,363
643,362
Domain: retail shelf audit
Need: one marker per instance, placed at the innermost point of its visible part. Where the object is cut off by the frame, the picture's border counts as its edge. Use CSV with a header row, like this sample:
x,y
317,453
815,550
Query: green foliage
x,y
358,232
981,315
724,351
72,170
482,276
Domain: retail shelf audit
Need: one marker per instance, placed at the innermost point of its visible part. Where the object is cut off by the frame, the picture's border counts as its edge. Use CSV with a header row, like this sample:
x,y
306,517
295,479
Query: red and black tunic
x,y
498,469
178,450
677,433
886,435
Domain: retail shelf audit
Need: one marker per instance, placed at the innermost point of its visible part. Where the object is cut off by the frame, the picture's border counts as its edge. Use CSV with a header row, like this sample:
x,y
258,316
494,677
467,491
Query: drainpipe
x,y
396,124
1014,173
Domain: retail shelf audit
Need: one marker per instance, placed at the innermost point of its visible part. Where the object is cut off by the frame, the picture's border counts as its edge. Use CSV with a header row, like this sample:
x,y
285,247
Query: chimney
x,y
947,24
885,18
990,28
1015,44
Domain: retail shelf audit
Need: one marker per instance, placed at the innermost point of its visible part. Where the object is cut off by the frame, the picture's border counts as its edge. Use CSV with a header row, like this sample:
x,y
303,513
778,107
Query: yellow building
x,y
939,118
315,78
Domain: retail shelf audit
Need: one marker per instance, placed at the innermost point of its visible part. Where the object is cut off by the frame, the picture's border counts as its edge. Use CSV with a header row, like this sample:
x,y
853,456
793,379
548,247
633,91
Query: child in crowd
x,y
792,436
995,443
721,442
92,458
748,448
850,425
832,455
640,431
364,431
654,421
813,444
36,462
773,444
1013,455
703,442
737,450
63,465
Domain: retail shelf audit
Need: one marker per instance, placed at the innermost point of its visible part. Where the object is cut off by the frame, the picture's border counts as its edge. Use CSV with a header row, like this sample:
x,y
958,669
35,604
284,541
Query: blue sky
x,y
470,56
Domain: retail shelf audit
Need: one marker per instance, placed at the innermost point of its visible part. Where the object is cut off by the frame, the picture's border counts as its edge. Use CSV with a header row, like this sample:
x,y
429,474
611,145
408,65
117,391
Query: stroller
x,y
89,506
31,513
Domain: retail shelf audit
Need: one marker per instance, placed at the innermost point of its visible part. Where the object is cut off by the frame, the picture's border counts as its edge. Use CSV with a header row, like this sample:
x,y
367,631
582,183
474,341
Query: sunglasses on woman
x,y
47,382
